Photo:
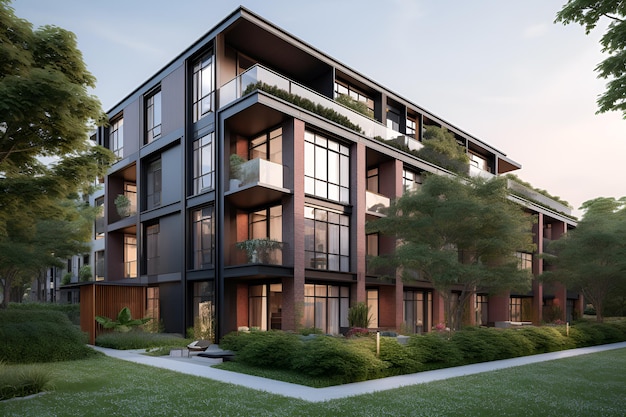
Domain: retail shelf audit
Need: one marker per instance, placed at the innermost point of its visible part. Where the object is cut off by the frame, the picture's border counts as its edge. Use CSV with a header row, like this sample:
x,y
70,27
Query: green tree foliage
x,y
123,323
592,257
45,111
588,13
442,149
459,235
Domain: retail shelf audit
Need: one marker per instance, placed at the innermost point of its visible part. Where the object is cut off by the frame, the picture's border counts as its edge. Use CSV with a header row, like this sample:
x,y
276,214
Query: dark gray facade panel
x,y
171,249
133,131
170,297
173,100
172,175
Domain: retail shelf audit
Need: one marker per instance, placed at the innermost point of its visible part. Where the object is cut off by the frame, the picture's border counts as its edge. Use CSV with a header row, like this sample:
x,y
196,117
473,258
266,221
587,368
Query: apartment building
x,y
243,187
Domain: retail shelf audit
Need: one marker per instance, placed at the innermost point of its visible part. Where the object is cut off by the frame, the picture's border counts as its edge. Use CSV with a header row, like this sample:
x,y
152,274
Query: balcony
x,y
238,87
474,172
376,204
257,251
256,182
530,194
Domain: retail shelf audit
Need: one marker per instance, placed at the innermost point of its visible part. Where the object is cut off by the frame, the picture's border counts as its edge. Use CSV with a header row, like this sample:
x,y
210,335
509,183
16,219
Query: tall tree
x,y
45,111
588,13
592,257
459,235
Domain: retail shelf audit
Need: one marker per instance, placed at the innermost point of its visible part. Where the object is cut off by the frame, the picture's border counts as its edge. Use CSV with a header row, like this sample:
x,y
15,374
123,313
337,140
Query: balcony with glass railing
x,y
376,204
240,85
474,172
255,182
530,194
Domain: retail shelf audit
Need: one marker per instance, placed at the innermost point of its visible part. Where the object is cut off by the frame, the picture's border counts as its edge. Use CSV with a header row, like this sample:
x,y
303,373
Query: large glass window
x,y
265,306
411,127
203,237
418,307
326,239
153,116
349,90
326,168
116,137
130,256
326,307
411,181
203,87
268,146
153,308
524,260
520,309
482,310
152,249
204,164
204,310
153,185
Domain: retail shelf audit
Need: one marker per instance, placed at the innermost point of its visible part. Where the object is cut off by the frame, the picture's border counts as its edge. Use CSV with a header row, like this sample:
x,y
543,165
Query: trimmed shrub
x,y
435,351
545,339
400,359
236,341
338,359
273,349
29,336
592,333
137,339
71,310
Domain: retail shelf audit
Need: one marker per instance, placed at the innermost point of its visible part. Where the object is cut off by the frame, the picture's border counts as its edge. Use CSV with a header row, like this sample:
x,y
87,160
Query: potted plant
x,y
235,170
258,250
122,205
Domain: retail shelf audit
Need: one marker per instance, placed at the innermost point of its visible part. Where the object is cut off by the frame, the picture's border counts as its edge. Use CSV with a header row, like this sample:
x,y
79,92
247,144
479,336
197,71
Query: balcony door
x,y
265,303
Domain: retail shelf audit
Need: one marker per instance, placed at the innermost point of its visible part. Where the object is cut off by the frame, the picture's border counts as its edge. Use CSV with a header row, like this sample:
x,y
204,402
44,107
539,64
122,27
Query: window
x,y
524,260
372,180
130,256
393,119
203,87
344,88
265,306
204,164
204,310
326,307
116,137
411,181
99,265
418,307
482,310
99,227
153,308
372,303
203,237
268,146
326,168
411,127
153,185
152,249
153,117
479,162
326,239
266,223
520,309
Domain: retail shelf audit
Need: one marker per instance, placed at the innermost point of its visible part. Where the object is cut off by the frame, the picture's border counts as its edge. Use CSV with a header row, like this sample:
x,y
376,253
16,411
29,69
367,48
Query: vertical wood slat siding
x,y
107,301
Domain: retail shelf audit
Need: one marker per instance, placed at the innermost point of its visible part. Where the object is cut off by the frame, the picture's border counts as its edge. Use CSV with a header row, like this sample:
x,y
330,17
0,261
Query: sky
x,y
500,70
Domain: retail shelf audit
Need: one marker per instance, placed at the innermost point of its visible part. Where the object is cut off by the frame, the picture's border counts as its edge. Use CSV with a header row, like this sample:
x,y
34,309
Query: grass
x,y
588,385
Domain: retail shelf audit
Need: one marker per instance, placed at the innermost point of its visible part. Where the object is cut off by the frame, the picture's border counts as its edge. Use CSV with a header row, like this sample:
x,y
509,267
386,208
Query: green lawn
x,y
588,385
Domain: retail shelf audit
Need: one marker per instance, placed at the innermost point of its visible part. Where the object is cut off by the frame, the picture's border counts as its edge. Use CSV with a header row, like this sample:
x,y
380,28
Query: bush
x,y
489,344
545,339
306,331
273,349
236,341
435,351
591,334
30,336
400,359
71,310
137,339
22,380
336,358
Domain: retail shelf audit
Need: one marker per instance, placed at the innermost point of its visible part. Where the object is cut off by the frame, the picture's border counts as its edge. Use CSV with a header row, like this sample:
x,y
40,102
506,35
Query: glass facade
x,y
326,307
411,180
203,237
418,310
152,249
326,239
116,137
153,185
153,117
203,87
326,168
204,164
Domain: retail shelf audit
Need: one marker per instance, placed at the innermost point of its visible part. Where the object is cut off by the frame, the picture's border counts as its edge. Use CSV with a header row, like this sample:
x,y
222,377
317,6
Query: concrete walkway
x,y
201,367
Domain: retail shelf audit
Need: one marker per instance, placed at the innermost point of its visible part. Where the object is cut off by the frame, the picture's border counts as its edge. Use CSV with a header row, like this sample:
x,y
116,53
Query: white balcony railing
x,y
258,171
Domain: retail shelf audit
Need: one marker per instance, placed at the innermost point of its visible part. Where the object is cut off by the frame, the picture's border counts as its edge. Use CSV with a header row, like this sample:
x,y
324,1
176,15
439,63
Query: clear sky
x,y
500,70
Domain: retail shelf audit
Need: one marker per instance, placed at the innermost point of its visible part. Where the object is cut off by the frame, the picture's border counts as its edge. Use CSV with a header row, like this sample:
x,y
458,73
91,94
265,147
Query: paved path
x,y
202,367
